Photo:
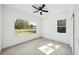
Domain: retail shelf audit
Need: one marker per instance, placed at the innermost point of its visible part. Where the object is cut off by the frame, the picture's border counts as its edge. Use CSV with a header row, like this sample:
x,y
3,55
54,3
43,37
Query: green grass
x,y
21,32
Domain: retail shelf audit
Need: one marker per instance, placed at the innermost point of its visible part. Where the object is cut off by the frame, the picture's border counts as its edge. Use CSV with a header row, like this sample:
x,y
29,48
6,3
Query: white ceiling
x,y
52,8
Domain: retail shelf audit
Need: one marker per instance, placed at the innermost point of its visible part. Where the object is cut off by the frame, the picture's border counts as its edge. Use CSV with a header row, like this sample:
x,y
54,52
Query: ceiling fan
x,y
40,9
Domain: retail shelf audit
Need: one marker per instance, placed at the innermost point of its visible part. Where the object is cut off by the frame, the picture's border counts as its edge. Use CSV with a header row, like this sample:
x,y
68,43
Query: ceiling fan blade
x,y
36,11
35,7
44,11
43,6
40,13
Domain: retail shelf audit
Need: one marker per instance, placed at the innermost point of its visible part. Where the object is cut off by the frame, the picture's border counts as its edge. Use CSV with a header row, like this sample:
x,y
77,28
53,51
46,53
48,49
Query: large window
x,y
61,26
23,27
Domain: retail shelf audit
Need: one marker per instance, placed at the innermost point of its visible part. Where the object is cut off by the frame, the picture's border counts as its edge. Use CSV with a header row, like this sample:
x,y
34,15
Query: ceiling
x,y
52,8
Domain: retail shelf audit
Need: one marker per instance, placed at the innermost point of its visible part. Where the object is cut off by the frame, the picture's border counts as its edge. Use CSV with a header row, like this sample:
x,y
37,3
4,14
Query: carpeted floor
x,y
31,48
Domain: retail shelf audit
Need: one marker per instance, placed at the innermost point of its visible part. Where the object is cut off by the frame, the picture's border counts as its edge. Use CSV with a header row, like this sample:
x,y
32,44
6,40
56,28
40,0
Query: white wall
x,y
9,17
0,27
76,30
50,27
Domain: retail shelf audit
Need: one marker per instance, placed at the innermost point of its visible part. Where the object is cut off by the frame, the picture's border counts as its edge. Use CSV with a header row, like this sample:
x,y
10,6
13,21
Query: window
x,y
23,27
61,26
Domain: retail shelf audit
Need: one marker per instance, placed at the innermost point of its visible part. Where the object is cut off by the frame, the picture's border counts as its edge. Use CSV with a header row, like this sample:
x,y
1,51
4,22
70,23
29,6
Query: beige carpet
x,y
32,48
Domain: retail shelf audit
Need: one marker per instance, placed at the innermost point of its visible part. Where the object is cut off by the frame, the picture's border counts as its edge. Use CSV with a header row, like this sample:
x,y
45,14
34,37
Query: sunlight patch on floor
x,y
48,48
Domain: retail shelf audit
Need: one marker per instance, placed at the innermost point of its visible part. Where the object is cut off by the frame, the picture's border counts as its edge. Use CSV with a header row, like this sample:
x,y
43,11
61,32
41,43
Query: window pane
x,y
23,27
61,26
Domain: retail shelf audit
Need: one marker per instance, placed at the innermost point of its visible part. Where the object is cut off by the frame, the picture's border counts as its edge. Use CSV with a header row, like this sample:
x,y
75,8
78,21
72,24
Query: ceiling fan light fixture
x,y
40,9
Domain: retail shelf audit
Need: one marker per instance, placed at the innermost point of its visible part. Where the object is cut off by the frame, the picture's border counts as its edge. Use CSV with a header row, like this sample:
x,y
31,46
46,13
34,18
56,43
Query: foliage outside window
x,y
61,26
23,27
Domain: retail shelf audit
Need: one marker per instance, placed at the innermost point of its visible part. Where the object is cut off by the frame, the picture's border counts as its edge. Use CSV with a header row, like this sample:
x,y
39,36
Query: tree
x,y
20,24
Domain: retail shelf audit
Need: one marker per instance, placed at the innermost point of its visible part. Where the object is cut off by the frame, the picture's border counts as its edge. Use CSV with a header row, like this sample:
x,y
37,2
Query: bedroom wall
x,y
50,27
0,28
76,30
9,17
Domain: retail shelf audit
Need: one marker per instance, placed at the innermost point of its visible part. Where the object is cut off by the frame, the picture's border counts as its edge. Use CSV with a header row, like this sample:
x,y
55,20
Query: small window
x,y
23,27
61,26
